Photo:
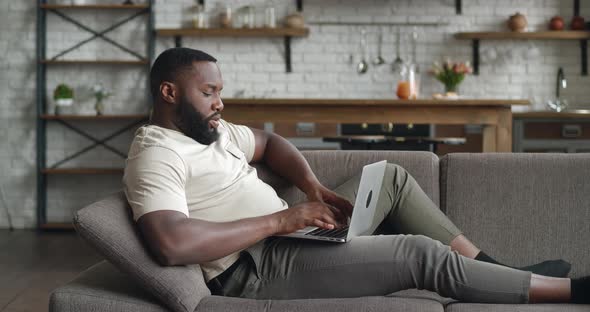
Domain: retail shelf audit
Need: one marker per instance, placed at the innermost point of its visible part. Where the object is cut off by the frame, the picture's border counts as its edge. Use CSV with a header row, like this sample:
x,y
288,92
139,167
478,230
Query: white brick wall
x,y
321,63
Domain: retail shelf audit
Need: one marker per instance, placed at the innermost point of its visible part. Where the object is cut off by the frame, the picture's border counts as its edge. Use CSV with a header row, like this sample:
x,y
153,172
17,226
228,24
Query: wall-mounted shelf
x,y
234,32
475,37
63,171
285,32
93,117
96,62
536,35
95,6
298,3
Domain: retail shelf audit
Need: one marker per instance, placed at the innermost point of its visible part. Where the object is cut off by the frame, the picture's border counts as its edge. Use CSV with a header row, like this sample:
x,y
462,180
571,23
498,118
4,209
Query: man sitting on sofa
x,y
196,200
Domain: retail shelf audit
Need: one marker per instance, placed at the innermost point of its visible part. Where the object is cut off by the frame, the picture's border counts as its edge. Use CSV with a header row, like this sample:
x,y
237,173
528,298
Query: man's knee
x,y
425,247
395,168
396,173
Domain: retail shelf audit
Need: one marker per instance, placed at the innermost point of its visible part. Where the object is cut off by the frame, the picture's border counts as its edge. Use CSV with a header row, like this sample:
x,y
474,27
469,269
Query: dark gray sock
x,y
553,268
580,290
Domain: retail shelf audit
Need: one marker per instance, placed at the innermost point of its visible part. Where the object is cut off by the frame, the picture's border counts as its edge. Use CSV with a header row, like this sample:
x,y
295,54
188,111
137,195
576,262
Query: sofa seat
x,y
480,307
103,288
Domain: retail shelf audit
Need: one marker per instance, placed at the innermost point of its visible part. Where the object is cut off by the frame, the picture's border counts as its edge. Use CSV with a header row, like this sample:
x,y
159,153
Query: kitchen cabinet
x,y
552,132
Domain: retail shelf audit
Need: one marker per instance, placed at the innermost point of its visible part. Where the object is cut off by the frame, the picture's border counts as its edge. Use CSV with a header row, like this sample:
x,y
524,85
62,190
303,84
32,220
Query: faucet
x,y
561,82
558,104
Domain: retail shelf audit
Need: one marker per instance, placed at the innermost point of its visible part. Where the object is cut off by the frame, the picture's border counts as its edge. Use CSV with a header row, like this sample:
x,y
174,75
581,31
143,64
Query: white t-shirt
x,y
167,170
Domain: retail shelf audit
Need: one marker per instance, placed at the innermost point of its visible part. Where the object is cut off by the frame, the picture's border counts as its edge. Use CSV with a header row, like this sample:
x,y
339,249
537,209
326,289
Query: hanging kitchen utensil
x,y
379,59
414,60
363,66
398,63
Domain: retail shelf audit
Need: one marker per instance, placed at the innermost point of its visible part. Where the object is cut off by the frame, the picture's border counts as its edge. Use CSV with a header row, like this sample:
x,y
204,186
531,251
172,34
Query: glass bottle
x,y
199,17
225,17
269,17
408,84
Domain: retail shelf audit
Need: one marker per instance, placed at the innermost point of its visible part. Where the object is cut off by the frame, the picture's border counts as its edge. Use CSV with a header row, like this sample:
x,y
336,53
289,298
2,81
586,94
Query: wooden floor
x,y
33,264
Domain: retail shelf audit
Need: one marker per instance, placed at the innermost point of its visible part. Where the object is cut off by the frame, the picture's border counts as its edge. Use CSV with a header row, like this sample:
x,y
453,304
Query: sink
x,y
576,111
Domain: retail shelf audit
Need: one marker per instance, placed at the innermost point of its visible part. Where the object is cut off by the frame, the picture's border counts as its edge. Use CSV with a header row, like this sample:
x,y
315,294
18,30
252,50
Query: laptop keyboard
x,y
337,233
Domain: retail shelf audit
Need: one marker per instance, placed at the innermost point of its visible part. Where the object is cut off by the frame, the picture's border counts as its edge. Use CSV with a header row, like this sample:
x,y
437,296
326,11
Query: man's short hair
x,y
171,63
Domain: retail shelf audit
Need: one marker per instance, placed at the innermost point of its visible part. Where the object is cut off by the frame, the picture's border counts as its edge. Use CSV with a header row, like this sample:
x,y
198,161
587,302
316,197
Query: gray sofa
x,y
521,208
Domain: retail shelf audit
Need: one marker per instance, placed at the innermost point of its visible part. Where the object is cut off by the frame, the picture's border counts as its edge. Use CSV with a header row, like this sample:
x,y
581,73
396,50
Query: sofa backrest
x,y
333,168
521,208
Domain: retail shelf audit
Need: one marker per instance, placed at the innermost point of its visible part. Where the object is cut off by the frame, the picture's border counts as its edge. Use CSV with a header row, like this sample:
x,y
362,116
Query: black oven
x,y
395,130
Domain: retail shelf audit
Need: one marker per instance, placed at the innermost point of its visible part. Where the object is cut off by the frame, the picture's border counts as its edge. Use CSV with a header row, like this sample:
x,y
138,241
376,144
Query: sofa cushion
x,y
375,304
102,288
335,167
478,307
422,294
107,225
521,208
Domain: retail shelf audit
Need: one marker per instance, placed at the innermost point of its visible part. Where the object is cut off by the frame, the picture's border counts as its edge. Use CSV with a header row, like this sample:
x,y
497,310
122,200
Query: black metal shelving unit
x,y
43,116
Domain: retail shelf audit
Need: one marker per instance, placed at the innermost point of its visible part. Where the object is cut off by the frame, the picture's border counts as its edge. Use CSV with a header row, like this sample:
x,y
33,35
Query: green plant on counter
x,y
63,91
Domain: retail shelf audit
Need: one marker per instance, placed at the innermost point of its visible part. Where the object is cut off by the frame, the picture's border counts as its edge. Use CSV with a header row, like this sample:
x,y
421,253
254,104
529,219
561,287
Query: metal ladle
x,y
363,66
379,59
398,63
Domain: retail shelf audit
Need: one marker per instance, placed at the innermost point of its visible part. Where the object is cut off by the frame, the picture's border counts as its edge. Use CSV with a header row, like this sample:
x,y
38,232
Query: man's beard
x,y
194,124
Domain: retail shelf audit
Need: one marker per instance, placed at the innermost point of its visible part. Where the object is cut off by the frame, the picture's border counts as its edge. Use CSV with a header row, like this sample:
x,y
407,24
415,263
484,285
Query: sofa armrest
x,y
102,287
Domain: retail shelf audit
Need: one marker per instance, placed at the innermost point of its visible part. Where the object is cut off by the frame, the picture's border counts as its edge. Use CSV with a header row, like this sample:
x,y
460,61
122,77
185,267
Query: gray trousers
x,y
285,268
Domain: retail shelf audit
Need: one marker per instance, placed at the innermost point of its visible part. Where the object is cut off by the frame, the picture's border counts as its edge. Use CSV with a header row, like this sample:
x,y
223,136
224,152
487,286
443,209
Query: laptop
x,y
362,213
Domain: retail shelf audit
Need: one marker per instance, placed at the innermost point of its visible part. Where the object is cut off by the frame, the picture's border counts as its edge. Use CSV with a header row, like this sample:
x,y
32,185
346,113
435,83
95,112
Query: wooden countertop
x,y
572,114
376,102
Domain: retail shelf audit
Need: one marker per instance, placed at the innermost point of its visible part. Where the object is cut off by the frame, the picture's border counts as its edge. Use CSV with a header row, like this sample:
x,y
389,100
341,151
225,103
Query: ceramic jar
x,y
295,20
517,22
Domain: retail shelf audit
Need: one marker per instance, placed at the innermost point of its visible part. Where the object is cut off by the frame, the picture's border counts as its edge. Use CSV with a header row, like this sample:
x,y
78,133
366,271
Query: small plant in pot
x,y
100,93
63,95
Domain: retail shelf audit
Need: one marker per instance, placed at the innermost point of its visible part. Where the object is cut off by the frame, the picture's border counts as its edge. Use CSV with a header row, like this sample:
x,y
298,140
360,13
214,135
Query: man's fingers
x,y
322,224
340,216
342,204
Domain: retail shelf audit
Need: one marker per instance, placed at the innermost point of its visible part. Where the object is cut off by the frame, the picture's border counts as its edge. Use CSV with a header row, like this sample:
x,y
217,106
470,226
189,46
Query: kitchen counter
x,y
377,102
494,114
568,114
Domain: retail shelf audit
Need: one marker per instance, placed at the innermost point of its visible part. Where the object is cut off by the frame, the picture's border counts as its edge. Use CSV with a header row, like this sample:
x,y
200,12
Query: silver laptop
x,y
362,213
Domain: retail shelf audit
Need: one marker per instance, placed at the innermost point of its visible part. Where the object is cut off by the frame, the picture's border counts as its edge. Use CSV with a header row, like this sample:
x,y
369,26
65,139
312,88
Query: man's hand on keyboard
x,y
305,214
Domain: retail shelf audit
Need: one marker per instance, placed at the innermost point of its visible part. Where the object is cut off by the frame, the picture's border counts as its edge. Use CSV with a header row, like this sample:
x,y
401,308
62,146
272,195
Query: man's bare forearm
x,y
185,240
284,159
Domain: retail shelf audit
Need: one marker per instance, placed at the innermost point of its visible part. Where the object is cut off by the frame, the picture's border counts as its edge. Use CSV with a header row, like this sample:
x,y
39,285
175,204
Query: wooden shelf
x,y
93,117
99,62
83,171
56,226
537,35
234,32
475,37
286,32
96,6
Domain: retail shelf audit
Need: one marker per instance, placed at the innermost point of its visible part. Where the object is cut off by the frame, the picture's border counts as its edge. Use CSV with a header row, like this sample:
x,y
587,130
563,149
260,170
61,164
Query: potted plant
x,y
100,93
451,74
63,95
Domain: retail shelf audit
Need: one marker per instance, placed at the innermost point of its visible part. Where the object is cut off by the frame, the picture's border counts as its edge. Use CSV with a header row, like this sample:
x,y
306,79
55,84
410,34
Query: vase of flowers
x,y
451,74
100,93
